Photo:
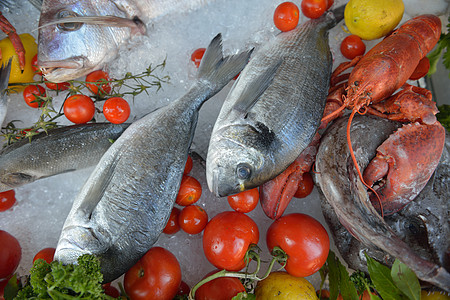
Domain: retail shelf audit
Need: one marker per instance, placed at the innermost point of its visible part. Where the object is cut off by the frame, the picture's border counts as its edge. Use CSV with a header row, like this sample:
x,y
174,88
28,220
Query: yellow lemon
x,y
373,19
434,295
282,286
8,51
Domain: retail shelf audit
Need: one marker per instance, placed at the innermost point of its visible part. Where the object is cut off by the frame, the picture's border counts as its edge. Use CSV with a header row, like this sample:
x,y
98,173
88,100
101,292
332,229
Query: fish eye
x,y
244,171
68,26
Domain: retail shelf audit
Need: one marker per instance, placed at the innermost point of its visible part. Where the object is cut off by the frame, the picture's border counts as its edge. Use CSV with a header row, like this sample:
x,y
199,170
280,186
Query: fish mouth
x,y
67,252
61,70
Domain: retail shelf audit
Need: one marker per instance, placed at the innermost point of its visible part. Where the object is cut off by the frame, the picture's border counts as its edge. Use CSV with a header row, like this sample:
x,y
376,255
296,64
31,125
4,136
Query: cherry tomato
x,y
286,16
197,56
29,95
189,165
352,46
98,79
313,9
183,289
110,290
421,69
325,295
245,201
222,288
329,3
157,275
7,199
226,239
34,65
62,86
79,109
46,254
10,254
116,110
304,240
173,226
190,191
193,219
305,186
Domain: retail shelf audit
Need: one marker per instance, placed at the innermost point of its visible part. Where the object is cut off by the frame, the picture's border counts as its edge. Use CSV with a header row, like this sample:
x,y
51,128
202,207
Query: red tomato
x,y
62,86
245,201
46,254
329,3
222,288
190,191
189,165
421,69
305,186
172,225
313,9
304,240
98,79
193,219
197,56
116,110
79,109
7,199
226,239
157,275
111,291
10,254
286,16
34,65
29,95
183,289
352,46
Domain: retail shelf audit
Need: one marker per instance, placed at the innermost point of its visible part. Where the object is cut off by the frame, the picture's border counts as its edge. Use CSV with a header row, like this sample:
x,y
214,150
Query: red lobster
x,y
405,162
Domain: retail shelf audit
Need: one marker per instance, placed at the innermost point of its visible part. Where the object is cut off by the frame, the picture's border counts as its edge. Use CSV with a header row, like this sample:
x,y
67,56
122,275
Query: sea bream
x,y
425,249
68,50
273,110
126,202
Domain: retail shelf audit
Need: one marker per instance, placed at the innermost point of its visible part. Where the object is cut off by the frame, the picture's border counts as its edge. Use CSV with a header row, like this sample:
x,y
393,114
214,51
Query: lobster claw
x,y
7,28
403,165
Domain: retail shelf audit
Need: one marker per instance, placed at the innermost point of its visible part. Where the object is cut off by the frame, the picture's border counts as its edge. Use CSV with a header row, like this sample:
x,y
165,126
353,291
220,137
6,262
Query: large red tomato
x,y
222,288
10,254
304,240
157,275
226,239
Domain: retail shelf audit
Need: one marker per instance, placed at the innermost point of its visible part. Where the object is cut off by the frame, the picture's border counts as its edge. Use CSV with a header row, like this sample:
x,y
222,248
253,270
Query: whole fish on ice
x,y
58,151
5,70
342,188
273,110
125,204
68,50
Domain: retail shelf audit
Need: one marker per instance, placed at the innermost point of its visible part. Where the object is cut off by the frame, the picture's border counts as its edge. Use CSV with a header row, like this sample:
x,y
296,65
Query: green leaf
x,y
244,295
406,280
334,276
347,287
11,288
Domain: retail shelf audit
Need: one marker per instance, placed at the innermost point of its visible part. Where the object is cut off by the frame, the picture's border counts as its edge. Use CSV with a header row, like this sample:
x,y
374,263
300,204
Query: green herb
x,y
443,46
405,280
444,116
244,295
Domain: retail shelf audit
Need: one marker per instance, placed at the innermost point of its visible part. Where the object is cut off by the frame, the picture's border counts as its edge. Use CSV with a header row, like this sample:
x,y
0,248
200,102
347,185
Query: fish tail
x,y
338,13
5,70
217,69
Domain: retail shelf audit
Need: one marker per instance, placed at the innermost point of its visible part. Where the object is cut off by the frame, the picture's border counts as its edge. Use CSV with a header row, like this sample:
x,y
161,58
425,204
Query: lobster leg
x,y
7,28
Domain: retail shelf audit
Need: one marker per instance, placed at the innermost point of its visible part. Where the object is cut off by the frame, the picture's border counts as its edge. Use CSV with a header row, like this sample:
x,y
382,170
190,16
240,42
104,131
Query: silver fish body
x,y
417,235
59,151
5,70
124,205
273,110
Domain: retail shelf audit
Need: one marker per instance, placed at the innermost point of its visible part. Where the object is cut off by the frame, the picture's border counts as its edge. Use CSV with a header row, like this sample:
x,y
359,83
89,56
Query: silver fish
x,y
273,110
5,70
339,182
59,151
97,29
125,204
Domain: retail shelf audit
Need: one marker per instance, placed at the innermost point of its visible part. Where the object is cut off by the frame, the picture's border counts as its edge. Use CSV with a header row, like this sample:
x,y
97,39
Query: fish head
x,y
70,50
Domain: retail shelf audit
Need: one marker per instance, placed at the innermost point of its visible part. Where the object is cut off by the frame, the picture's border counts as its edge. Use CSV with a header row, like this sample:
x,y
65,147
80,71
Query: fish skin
x,y
124,205
5,70
345,194
274,109
59,151
65,55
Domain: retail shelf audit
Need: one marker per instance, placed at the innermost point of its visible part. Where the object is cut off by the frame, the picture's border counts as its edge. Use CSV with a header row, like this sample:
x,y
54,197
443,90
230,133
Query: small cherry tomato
x,y
190,191
226,239
325,295
157,275
197,56
184,289
7,199
305,186
219,288
172,225
46,254
79,109
286,16
111,291
421,69
352,46
30,93
329,3
98,79
313,9
188,166
34,66
304,240
245,201
116,110
10,254
193,219
62,86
